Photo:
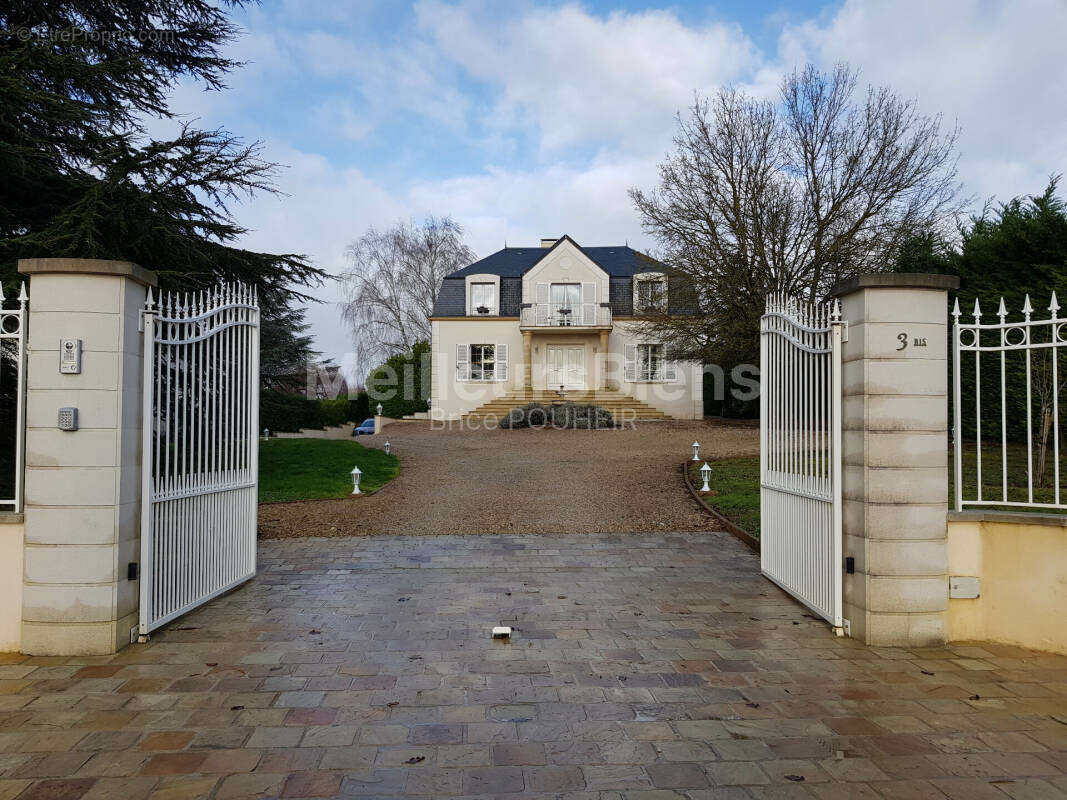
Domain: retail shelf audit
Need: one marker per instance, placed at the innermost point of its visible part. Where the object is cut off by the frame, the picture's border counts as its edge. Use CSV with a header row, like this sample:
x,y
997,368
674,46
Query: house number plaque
x,y
903,338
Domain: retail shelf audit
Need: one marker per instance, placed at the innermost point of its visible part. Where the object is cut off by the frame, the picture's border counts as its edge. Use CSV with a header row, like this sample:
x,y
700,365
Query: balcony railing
x,y
565,315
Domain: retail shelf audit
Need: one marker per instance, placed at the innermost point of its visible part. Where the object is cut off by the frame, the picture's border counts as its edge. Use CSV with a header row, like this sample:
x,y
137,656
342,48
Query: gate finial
x,y
977,313
1054,305
956,309
1002,311
23,297
1027,308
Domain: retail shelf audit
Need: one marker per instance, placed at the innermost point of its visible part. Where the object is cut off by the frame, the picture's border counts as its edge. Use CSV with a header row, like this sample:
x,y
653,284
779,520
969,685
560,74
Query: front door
x,y
566,367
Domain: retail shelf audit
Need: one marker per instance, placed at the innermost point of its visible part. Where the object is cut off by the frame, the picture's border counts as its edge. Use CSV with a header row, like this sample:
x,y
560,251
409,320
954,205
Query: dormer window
x,y
482,299
650,292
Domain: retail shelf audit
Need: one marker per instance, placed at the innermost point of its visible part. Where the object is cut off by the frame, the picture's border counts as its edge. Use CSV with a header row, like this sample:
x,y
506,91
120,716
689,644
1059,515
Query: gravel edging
x,y
747,538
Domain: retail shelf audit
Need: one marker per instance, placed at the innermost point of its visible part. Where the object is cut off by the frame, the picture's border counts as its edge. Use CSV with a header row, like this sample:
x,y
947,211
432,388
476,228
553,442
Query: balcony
x,y
569,315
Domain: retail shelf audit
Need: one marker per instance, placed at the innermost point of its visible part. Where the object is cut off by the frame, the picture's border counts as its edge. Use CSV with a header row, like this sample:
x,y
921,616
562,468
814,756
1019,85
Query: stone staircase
x,y
621,406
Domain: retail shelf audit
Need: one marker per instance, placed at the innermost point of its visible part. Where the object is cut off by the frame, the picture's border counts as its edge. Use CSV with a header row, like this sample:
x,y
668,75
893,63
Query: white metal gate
x,y
199,449
800,451
13,360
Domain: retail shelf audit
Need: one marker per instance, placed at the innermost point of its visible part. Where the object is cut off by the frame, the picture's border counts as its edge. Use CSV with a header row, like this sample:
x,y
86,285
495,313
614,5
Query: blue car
x,y
365,428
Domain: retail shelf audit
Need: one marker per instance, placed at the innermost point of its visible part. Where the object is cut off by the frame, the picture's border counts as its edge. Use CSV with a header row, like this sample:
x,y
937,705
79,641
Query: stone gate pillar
x,y
895,453
82,507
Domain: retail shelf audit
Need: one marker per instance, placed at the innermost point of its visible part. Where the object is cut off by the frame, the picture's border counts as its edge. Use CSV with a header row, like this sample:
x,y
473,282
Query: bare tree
x,y
792,195
393,281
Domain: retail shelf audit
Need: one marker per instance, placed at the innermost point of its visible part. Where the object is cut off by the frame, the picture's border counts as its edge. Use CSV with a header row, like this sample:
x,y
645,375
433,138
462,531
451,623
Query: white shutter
x,y
629,363
636,304
670,368
501,362
463,362
541,314
588,299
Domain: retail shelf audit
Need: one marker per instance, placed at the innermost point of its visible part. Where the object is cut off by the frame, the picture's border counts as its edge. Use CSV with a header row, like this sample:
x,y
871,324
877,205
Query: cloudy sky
x,y
526,119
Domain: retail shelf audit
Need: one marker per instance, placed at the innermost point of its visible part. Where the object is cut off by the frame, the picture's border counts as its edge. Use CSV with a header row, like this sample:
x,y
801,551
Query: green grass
x,y
992,475
737,482
315,469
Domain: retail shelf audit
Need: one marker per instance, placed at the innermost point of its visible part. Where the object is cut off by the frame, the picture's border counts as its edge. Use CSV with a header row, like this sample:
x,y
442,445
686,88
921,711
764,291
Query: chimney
x,y
546,243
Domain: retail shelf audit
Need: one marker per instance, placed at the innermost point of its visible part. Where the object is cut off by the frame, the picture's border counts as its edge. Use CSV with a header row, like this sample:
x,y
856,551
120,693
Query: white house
x,y
531,323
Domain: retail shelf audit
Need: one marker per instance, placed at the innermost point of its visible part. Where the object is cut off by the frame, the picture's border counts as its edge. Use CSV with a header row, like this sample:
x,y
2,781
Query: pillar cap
x,y
895,280
88,266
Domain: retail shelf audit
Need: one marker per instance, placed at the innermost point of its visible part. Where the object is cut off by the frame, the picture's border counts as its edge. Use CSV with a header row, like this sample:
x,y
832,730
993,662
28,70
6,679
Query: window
x,y
483,362
650,362
483,299
566,303
651,294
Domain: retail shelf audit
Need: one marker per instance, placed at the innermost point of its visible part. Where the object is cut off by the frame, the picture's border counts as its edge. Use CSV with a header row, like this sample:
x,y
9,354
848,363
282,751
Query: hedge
x,y
402,383
288,413
563,415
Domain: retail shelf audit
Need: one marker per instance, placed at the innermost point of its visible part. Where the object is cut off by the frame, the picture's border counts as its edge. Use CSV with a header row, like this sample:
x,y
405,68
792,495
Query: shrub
x,y
334,412
279,411
359,407
566,415
403,382
570,415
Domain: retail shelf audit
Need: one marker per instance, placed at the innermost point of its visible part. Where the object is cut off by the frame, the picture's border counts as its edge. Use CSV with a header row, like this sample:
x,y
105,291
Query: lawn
x,y
737,482
316,469
992,475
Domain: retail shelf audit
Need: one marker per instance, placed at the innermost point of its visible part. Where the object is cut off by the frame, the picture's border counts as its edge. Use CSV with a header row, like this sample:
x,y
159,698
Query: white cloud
x,y
580,78
596,96
996,68
588,202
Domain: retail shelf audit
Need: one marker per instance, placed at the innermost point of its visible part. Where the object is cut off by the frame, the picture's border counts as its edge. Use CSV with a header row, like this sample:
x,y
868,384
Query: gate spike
x,y
1002,311
2,298
1027,308
23,297
977,309
956,308
1054,305
835,314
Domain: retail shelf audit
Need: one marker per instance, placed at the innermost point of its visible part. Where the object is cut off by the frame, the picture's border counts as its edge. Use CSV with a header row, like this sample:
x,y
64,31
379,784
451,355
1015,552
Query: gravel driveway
x,y
524,481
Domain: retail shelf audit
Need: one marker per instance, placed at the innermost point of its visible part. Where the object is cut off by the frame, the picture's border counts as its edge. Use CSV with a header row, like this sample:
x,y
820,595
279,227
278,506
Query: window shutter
x,y
670,369
664,300
588,299
463,362
629,364
500,363
541,303
636,301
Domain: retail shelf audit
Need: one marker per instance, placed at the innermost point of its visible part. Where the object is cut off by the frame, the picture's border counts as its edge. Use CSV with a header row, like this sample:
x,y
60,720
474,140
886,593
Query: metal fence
x,y
1006,410
13,398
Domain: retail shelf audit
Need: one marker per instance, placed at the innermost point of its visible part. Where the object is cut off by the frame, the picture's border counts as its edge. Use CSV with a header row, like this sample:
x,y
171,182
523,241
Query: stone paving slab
x,y
642,666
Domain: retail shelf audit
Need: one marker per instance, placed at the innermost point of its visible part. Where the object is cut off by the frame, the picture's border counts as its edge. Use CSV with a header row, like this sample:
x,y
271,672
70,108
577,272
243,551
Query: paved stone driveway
x,y
651,666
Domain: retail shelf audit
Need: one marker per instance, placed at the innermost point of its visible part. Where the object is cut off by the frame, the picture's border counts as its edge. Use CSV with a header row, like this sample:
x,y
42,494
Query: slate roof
x,y
619,261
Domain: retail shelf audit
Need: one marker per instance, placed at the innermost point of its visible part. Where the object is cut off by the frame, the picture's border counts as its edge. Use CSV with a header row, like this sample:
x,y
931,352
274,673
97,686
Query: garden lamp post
x,y
696,451
705,473
379,409
266,433
357,473
387,448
